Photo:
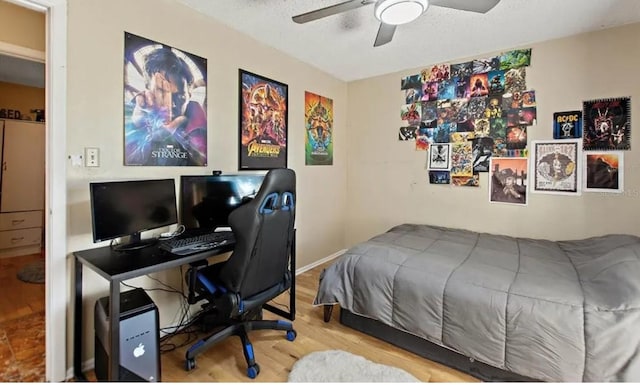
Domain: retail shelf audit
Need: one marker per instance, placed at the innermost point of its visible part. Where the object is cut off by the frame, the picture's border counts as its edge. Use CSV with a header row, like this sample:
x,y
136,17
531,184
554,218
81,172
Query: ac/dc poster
x,y
165,98
607,124
567,125
263,122
318,118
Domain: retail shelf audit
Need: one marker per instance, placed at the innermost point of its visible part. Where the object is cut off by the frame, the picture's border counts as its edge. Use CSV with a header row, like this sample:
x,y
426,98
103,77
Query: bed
x,y
532,309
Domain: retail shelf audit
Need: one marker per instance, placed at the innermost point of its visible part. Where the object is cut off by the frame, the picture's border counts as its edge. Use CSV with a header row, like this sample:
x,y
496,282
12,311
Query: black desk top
x,y
120,265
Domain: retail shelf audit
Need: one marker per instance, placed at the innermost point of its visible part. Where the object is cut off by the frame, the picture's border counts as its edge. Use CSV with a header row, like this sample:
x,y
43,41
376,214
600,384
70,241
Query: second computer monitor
x,y
207,200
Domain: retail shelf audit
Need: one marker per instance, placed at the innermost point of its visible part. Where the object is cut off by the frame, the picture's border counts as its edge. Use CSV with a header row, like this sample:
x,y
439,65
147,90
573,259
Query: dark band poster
x,y
165,98
607,124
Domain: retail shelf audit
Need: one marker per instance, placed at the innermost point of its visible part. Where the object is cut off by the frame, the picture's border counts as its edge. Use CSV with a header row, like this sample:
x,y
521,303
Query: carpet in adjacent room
x,y
341,366
33,272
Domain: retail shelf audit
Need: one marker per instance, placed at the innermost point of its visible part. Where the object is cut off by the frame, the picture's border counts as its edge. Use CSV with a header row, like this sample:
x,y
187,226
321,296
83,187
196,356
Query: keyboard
x,y
197,243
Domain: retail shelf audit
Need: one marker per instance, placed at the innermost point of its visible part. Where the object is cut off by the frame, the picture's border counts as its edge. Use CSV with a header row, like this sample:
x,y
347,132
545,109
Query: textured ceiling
x,y
342,45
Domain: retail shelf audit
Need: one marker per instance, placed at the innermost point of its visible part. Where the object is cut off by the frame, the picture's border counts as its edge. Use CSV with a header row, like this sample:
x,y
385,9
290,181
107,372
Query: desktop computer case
x,y
139,338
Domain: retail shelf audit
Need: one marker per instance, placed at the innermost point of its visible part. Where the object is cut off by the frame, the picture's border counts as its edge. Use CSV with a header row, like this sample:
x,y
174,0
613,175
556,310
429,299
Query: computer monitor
x,y
127,208
207,200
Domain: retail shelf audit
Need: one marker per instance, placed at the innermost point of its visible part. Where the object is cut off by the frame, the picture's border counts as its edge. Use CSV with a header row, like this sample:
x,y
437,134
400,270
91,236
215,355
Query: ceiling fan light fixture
x,y
396,12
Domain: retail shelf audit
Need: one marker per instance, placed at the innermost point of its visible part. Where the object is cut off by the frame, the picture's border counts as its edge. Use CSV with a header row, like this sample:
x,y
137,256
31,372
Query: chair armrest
x,y
192,276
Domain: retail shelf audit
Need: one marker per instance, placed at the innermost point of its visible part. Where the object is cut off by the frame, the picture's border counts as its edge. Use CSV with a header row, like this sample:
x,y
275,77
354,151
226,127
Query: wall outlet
x,y
91,157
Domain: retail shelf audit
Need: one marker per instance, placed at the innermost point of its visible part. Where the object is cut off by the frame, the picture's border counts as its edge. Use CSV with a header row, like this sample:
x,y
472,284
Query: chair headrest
x,y
279,181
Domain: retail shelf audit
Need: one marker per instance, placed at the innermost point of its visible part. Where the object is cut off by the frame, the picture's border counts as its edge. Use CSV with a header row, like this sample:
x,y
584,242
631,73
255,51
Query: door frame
x,y
57,282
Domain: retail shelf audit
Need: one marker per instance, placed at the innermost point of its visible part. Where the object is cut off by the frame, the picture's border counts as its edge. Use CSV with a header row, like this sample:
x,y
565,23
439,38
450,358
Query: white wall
x,y
388,183
95,119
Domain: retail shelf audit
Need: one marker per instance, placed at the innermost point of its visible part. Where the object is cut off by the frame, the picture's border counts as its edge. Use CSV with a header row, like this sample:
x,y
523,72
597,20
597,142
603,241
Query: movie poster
x,y
165,103
318,118
263,120
607,124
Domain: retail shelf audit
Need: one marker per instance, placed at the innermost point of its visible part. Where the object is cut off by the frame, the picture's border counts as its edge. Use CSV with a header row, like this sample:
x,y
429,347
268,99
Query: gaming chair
x,y
256,272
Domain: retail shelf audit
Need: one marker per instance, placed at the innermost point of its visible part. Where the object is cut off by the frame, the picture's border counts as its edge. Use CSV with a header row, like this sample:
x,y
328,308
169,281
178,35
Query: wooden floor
x,y
275,355
23,298
225,362
22,325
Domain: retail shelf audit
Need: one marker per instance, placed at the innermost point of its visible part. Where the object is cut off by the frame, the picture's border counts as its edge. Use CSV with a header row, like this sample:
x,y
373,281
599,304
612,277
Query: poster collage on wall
x,y
465,114
473,117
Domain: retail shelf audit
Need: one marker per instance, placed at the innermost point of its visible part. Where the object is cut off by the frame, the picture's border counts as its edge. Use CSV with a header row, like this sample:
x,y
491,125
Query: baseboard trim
x,y
88,365
320,262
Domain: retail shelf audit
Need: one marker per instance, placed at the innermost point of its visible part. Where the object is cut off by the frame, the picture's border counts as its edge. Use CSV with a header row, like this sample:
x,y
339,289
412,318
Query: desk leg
x,y
292,297
114,335
77,324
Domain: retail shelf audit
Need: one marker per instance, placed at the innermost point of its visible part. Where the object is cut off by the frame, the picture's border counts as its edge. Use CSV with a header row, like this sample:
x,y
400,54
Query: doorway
x,y
58,270
22,235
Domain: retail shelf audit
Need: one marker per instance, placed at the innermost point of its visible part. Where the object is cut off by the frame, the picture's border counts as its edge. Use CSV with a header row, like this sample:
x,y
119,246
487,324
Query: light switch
x,y
91,157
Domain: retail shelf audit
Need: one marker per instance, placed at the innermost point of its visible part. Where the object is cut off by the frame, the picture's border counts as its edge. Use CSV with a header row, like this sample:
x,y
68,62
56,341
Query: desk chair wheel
x,y
253,371
291,335
190,364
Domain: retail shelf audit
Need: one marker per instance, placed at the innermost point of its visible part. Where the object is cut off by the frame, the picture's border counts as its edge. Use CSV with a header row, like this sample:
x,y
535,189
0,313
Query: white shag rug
x,y
341,366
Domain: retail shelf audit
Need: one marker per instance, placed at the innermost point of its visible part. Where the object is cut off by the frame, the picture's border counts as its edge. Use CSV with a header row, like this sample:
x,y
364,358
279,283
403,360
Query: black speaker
x,y
139,338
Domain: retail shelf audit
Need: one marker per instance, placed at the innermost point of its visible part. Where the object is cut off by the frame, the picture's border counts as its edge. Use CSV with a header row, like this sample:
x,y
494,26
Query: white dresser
x,y
22,178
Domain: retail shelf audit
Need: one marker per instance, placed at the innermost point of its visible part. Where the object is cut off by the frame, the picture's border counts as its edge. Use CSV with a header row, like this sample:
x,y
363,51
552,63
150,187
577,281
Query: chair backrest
x,y
263,229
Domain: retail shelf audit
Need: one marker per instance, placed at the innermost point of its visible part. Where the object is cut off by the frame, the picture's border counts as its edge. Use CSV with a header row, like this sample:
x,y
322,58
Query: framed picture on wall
x,y
554,166
604,171
263,121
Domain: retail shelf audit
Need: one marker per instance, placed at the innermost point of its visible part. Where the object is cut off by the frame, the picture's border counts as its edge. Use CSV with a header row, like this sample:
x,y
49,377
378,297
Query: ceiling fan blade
x,y
480,6
385,34
330,10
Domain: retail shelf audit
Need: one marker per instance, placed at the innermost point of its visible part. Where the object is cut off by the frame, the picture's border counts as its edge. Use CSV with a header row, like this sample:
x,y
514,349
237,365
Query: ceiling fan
x,y
392,13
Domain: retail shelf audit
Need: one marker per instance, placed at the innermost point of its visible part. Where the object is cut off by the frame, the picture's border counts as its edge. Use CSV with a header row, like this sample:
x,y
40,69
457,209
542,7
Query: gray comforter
x,y
555,311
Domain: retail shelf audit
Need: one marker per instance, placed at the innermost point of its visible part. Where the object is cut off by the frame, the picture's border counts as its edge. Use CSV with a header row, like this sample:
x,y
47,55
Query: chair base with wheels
x,y
223,310
241,330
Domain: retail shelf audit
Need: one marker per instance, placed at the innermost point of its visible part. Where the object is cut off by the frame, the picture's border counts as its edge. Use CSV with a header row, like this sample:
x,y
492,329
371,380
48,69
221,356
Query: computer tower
x,y
139,338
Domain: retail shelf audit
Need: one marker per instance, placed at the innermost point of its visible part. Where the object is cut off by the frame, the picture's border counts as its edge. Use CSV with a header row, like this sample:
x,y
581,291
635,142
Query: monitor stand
x,y
135,243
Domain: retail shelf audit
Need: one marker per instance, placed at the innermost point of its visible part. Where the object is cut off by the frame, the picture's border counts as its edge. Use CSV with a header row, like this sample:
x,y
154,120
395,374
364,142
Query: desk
x,y
115,267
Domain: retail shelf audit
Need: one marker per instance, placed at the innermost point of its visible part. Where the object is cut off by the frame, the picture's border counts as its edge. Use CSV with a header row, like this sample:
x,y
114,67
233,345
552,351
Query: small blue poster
x,y
567,125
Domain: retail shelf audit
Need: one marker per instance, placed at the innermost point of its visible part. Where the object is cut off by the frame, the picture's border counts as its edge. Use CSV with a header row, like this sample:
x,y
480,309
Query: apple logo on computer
x,y
138,351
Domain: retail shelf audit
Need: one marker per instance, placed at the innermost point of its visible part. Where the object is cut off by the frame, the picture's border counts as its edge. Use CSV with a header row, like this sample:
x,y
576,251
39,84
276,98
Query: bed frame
x,y
424,348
